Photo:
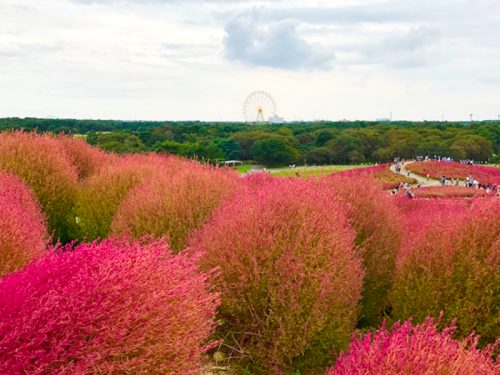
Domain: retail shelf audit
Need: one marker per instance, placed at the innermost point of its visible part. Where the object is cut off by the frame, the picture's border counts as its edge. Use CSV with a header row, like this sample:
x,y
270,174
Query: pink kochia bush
x,y
116,307
23,234
377,223
290,278
450,261
41,162
416,350
174,203
86,159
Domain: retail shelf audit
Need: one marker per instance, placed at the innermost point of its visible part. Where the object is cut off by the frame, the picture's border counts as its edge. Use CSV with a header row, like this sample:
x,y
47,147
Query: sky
x,y
200,59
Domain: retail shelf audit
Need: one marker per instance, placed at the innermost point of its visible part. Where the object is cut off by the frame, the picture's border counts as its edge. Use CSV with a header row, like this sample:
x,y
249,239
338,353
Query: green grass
x,y
314,171
244,168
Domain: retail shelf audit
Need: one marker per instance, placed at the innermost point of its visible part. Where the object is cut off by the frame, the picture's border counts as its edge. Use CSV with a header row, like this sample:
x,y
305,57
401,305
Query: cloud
x,y
410,49
273,44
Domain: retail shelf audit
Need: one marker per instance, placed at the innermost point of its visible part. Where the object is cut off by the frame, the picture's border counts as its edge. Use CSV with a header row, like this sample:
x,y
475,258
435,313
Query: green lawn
x,y
314,171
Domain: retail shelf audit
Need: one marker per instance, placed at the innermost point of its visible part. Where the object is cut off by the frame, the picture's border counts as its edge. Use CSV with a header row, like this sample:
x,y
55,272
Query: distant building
x,y
275,119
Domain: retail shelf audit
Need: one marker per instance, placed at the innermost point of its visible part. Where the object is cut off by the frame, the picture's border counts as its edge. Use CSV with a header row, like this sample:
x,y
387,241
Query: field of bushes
x,y
485,175
155,264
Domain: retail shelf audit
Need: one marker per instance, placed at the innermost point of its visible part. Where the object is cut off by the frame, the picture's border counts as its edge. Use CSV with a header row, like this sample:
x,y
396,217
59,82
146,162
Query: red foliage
x,y
415,350
436,169
41,163
382,174
450,261
290,279
23,234
112,307
174,203
377,222
86,159
450,192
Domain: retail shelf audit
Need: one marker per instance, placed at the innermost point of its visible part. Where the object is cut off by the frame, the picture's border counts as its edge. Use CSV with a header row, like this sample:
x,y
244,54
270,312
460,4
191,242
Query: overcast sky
x,y
199,59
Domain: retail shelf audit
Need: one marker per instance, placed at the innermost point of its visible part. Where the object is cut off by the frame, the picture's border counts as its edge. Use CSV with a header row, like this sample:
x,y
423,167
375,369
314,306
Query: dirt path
x,y
421,180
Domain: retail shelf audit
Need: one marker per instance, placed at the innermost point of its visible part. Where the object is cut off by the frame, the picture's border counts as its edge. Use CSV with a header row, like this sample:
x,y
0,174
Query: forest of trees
x,y
314,142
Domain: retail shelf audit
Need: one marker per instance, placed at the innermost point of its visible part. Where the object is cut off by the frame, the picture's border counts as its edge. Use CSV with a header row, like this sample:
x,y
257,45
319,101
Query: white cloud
x,y
275,44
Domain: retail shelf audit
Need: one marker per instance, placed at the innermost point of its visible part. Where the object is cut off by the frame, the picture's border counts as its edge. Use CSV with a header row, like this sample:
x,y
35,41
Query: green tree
x,y
275,150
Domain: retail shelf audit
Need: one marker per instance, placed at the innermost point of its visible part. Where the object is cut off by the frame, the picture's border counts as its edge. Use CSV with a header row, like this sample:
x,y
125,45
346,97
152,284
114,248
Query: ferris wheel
x,y
258,107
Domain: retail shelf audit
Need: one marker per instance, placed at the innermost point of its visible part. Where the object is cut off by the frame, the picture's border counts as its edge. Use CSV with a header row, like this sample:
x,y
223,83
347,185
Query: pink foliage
x,y
450,192
382,175
111,307
290,278
41,162
450,261
436,169
416,350
23,234
174,202
86,159
377,222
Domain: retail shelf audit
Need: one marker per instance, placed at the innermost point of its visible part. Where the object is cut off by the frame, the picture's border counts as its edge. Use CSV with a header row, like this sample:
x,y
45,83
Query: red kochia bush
x,y
111,307
450,261
41,162
377,222
416,350
23,234
86,159
174,203
290,279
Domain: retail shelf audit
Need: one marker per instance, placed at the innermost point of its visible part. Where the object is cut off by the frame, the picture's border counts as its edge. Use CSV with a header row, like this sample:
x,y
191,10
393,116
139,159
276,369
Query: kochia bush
x,y
174,203
102,193
23,234
451,263
42,164
415,350
377,222
290,279
112,307
86,159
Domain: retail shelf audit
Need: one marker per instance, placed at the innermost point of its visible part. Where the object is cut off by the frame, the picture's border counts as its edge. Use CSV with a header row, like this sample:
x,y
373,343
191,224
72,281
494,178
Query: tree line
x,y
273,144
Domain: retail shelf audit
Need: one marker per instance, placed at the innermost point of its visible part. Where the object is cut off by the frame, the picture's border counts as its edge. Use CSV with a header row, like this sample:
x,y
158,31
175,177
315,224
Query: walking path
x,y
421,180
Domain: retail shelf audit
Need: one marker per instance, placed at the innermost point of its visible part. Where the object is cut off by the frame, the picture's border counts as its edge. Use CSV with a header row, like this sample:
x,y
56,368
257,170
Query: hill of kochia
x,y
273,144
174,260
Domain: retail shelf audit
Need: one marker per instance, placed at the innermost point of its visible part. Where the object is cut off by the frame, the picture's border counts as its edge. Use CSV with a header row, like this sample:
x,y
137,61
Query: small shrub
x,y
416,350
377,223
42,164
451,262
23,234
290,279
174,204
112,307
